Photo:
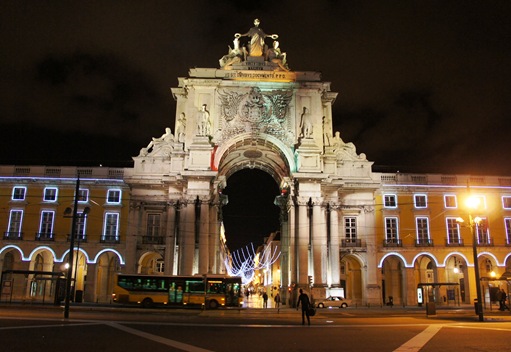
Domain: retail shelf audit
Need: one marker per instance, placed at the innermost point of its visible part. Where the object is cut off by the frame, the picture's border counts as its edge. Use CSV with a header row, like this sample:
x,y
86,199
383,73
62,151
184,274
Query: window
x,y
15,220
420,201
350,229
391,230
110,231
81,220
507,223
422,230
160,266
153,225
113,196
50,194
450,201
83,195
506,202
483,233
453,231
46,226
18,193
389,200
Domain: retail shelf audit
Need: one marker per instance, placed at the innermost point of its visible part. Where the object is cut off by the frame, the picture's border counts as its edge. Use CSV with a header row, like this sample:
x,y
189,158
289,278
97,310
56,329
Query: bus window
x,y
194,286
216,286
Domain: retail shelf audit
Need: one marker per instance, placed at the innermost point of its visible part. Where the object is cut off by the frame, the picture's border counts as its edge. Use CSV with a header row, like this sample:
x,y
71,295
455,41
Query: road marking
x,y
47,326
417,342
159,339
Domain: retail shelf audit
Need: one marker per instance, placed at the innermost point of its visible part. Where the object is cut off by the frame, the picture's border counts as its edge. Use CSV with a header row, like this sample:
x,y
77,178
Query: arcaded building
x,y
343,227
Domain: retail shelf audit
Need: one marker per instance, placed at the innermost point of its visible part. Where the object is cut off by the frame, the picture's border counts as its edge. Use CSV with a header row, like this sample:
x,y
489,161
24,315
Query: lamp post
x,y
472,203
71,250
479,304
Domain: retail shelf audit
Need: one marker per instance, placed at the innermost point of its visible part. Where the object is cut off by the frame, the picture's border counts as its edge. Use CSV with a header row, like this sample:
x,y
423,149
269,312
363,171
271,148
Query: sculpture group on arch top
x,y
254,111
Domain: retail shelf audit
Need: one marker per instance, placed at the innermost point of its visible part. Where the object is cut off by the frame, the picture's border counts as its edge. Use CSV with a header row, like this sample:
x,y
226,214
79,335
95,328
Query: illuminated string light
x,y
245,262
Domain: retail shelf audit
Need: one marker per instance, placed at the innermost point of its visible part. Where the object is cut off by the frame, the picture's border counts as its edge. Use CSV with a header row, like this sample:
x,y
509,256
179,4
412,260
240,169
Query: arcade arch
x,y
251,152
150,263
352,274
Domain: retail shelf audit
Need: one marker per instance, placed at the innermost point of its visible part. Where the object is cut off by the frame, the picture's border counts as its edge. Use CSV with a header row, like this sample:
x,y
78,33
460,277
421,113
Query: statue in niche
x,y
306,124
257,37
157,144
326,132
203,122
233,56
181,128
276,56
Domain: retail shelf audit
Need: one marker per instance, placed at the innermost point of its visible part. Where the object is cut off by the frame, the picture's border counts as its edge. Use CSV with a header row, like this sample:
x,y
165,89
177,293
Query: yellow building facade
x,y
37,205
425,238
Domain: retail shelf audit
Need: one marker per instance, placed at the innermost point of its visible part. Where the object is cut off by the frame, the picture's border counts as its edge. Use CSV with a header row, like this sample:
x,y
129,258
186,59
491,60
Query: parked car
x,y
334,301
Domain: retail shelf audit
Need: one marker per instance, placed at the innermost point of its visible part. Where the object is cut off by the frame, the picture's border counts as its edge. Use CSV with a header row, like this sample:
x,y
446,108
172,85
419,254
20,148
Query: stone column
x,y
319,244
334,253
204,238
89,292
186,239
283,203
303,244
293,250
131,238
102,284
214,236
169,238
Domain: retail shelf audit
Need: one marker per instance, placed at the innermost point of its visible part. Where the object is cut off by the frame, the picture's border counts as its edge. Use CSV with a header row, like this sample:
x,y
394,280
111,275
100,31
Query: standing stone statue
x,y
203,123
306,124
181,128
257,36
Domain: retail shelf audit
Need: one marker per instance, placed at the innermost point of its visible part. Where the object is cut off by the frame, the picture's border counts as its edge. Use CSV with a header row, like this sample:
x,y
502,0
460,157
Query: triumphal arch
x,y
254,111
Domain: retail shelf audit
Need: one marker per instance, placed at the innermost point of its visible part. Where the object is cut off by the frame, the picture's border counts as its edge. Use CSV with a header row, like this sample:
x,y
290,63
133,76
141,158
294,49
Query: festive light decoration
x,y
245,262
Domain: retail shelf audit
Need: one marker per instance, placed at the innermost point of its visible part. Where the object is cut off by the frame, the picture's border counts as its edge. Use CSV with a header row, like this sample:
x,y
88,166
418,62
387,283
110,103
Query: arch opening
x,y
250,214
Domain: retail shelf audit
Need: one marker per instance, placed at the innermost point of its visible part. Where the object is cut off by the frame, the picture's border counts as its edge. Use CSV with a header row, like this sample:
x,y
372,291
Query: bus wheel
x,y
147,303
213,304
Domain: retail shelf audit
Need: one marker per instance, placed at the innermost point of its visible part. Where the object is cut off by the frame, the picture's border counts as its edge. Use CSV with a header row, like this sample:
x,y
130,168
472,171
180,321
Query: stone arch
x,y
10,249
147,264
263,152
456,271
42,259
425,270
103,272
393,279
352,274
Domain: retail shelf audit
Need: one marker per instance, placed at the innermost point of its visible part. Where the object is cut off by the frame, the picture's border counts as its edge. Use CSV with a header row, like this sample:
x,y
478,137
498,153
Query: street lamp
x,y
473,203
69,264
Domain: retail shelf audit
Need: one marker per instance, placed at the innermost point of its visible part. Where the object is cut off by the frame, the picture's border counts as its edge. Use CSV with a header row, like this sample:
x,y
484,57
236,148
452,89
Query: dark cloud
x,y
422,85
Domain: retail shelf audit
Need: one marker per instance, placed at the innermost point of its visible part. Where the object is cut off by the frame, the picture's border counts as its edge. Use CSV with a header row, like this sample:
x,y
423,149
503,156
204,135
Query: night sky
x,y
424,86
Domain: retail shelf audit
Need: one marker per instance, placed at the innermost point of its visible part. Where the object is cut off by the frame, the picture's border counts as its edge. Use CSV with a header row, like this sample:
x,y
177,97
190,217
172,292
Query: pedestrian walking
x,y
277,302
265,300
304,300
503,300
499,299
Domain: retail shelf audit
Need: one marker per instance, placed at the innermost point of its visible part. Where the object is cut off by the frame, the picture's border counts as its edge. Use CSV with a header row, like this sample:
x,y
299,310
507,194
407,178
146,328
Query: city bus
x,y
207,291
